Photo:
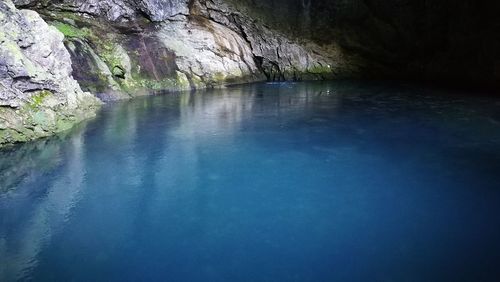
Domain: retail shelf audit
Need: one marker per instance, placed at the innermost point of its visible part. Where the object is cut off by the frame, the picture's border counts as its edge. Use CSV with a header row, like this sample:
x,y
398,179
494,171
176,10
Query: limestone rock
x,y
38,96
209,53
160,10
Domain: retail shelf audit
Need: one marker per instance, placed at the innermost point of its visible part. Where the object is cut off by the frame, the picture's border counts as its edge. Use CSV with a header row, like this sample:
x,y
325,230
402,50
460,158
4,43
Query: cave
x,y
249,140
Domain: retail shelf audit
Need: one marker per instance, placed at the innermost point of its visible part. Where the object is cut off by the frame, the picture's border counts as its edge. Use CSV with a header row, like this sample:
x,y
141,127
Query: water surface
x,y
341,181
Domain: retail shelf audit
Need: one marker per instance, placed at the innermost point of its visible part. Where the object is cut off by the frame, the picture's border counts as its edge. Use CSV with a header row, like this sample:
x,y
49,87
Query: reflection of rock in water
x,y
180,125
34,220
18,163
223,111
22,161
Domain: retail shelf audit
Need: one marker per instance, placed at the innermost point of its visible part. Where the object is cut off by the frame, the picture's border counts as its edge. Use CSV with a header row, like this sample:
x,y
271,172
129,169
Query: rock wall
x,y
410,39
38,96
448,40
117,49
123,48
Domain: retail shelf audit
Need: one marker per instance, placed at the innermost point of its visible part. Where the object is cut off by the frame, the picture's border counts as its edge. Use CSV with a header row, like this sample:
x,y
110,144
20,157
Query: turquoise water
x,y
337,181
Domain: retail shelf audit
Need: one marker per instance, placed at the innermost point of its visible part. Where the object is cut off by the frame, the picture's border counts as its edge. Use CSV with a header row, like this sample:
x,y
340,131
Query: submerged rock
x,y
38,96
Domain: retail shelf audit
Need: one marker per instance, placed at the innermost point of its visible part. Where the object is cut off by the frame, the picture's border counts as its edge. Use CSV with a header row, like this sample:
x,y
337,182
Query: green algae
x,y
71,31
38,99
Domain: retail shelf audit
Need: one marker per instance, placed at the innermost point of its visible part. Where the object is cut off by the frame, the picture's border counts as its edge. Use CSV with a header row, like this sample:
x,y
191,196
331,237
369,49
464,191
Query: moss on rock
x,y
71,30
38,99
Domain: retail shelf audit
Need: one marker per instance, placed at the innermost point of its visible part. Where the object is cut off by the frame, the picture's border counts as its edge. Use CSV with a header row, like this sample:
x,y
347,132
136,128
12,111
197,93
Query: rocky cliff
x,y
441,41
288,39
123,48
38,96
117,49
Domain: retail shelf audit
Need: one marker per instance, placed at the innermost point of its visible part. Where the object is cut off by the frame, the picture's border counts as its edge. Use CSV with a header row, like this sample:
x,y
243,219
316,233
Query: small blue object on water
x,y
341,181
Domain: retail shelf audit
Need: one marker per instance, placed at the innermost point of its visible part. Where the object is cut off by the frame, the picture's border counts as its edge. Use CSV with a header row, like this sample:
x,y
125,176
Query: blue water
x,y
342,181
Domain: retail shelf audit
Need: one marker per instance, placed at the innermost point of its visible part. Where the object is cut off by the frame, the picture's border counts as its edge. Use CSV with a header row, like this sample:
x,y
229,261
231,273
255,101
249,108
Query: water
x,y
269,182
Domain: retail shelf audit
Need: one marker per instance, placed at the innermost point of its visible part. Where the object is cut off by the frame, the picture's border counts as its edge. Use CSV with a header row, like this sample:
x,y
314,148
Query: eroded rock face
x,y
115,10
123,48
160,10
38,96
447,40
209,54
279,57
410,39
180,45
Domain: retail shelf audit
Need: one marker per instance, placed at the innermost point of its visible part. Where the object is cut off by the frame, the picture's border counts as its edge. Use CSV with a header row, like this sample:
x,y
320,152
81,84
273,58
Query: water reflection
x,y
34,205
143,141
165,183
